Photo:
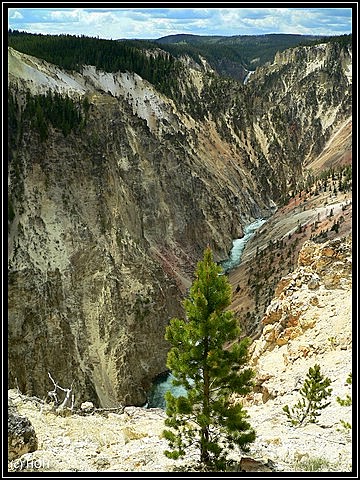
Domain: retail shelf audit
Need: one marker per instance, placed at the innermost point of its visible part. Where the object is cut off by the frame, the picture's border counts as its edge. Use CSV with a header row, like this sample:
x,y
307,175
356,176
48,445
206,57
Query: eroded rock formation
x,y
307,322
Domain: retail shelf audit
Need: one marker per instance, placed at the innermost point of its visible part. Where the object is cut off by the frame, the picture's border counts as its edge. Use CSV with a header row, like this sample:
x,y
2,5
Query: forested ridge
x,y
72,52
161,67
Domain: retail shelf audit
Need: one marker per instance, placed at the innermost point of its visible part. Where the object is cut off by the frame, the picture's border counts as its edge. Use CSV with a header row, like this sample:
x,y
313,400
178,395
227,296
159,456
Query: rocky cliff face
x,y
322,269
299,102
308,322
108,225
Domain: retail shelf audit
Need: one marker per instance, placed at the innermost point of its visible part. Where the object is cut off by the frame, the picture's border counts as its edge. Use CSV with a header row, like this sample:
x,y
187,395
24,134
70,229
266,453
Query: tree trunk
x,y
205,458
306,413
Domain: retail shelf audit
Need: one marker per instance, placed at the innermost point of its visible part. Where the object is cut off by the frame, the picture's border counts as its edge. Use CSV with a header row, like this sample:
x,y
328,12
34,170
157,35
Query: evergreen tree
x,y
314,392
208,360
346,402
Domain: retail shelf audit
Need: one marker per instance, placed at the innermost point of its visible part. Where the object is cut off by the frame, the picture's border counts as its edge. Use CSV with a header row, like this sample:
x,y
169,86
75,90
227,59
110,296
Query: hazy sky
x,y
157,22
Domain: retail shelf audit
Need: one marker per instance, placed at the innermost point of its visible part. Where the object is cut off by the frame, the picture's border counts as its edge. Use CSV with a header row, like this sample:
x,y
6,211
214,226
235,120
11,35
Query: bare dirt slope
x,y
337,151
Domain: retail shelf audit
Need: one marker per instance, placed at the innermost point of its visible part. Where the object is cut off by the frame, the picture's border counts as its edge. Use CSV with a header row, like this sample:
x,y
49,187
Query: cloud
x,y
83,17
15,14
64,15
158,22
286,20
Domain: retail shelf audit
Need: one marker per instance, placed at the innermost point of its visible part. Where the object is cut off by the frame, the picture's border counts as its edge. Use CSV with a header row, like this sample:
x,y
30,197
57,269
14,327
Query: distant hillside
x,y
229,56
234,56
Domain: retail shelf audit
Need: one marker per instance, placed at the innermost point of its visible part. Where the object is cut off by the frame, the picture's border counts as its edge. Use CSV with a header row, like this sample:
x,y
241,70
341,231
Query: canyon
x,y
307,322
108,223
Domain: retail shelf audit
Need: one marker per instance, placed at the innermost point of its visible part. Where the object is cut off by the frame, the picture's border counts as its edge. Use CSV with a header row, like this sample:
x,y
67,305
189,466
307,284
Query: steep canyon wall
x,y
108,223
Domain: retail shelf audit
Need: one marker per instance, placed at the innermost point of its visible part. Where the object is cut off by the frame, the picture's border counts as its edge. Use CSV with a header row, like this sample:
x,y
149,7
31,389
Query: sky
x,y
150,23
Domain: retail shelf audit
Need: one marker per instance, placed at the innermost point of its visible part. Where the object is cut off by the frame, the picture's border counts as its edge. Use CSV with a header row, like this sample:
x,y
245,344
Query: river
x,y
164,382
248,76
239,245
160,387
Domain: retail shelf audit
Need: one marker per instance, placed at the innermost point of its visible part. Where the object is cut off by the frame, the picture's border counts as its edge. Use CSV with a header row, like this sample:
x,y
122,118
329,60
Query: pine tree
x,y
208,360
314,392
346,402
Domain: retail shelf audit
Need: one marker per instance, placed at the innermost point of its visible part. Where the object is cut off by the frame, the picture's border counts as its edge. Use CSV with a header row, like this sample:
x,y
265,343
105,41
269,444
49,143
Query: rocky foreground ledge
x,y
308,322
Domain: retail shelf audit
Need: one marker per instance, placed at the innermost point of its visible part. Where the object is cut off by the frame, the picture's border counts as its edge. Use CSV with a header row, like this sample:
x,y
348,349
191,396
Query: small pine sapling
x,y
314,393
346,402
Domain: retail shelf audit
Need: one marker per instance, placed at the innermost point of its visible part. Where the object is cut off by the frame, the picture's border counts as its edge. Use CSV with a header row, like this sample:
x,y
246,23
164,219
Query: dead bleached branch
x,y
54,395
